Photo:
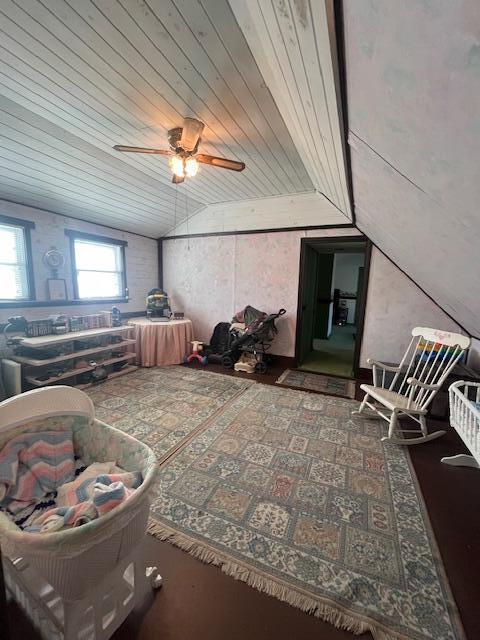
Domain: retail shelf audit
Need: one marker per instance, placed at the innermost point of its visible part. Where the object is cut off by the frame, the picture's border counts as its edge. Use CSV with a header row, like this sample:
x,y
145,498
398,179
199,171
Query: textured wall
x,y
394,306
209,278
266,276
413,85
198,276
141,259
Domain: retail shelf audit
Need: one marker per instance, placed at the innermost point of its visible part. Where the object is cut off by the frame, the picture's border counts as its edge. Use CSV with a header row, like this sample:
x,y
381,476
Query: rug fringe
x,y
316,607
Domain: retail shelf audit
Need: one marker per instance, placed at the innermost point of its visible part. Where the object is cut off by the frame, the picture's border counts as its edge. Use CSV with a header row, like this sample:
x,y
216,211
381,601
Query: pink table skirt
x,y
162,343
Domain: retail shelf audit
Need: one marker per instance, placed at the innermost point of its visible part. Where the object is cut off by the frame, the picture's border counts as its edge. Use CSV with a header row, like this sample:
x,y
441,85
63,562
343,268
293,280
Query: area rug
x,y
286,492
317,382
163,406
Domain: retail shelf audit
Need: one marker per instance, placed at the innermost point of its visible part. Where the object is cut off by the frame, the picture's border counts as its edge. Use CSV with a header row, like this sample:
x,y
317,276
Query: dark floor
x,y
199,601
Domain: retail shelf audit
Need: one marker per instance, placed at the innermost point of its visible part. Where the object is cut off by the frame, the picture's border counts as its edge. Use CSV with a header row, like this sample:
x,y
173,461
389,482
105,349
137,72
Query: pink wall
x,y
210,278
198,275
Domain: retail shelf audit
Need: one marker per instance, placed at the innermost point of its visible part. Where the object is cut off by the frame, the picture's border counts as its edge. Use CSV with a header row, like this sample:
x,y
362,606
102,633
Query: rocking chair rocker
x,y
431,356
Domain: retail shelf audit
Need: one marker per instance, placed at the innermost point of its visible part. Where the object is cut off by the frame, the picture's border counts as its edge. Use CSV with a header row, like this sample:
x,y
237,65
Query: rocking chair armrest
x,y
386,367
416,383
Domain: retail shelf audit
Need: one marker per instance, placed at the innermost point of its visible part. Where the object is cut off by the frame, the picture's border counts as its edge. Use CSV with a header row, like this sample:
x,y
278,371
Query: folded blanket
x,y
67,494
81,489
33,465
86,498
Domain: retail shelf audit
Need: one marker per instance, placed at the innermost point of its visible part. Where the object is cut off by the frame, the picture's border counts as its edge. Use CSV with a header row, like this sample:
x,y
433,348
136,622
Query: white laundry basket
x,y
81,583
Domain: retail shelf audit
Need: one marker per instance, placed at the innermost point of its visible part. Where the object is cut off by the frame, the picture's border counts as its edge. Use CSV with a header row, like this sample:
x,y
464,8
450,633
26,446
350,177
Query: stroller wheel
x,y
261,367
227,362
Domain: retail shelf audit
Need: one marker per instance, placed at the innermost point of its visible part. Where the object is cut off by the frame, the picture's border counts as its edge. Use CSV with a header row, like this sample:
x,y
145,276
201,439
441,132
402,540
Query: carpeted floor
x,y
334,363
219,606
333,356
287,493
316,382
163,406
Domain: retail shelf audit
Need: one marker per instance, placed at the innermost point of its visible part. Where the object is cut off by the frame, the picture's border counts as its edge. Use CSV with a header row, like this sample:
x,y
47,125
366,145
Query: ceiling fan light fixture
x,y
184,159
177,166
191,167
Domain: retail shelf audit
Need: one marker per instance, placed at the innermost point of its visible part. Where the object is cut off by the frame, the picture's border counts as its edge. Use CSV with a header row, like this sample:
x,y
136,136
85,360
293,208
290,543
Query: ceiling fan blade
x,y
161,152
191,132
177,179
223,163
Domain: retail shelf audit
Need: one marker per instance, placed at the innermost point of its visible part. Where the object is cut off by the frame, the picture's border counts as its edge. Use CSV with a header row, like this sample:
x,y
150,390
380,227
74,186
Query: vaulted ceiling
x,y
78,77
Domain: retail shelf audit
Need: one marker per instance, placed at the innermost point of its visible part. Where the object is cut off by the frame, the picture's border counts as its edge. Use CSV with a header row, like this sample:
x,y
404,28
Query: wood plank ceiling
x,y
78,76
295,47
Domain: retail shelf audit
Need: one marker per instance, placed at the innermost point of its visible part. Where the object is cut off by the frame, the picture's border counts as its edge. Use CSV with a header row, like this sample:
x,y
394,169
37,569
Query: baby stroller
x,y
79,583
256,339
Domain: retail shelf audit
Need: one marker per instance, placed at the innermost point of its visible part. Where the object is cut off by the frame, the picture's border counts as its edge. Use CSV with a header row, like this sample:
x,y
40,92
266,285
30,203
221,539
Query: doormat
x,y
286,492
317,382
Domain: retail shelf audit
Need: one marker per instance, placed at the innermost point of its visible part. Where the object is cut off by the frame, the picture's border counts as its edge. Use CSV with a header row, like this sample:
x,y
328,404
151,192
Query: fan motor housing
x,y
174,136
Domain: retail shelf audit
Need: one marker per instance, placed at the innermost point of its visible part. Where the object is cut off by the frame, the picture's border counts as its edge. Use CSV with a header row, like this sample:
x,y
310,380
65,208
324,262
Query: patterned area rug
x,y
316,382
286,492
163,406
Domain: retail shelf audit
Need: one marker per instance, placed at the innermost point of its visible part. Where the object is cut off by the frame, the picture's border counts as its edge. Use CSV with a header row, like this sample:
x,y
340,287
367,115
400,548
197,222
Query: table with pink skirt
x,y
161,343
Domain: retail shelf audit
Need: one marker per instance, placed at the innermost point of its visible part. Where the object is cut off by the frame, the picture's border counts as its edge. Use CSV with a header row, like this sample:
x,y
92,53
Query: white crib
x,y
464,400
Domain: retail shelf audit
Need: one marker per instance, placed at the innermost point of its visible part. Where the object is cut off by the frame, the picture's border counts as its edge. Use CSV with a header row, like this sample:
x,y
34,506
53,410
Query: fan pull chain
x,y
186,212
175,210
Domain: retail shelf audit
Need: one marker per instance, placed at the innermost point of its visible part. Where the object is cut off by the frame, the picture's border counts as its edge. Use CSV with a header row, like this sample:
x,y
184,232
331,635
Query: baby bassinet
x,y
80,582
465,419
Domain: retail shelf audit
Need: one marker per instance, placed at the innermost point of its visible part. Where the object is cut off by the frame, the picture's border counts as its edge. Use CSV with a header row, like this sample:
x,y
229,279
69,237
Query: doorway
x,y
331,304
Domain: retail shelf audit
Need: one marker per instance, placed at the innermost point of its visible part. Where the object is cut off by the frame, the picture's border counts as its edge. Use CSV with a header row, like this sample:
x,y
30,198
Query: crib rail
x,y
465,415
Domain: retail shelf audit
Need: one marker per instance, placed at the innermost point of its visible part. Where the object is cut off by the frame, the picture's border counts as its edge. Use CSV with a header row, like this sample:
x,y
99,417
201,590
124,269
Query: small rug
x,y
286,492
163,406
316,382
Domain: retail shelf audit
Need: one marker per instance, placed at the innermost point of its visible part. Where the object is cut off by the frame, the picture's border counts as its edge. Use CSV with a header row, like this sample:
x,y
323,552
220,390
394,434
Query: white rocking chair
x,y
431,355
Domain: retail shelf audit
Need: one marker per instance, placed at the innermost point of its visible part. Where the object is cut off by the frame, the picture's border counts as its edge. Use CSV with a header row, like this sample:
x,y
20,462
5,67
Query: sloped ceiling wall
x,y
413,87
280,212
294,45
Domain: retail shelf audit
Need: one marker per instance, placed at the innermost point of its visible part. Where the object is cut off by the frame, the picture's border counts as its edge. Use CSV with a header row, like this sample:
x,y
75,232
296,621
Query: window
x,y
16,281
98,266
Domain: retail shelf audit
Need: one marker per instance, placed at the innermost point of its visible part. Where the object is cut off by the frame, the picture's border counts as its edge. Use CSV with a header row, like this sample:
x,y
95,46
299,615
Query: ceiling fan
x,y
183,155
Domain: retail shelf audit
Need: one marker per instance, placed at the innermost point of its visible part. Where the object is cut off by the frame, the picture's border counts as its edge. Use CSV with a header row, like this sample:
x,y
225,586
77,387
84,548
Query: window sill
x,y
23,304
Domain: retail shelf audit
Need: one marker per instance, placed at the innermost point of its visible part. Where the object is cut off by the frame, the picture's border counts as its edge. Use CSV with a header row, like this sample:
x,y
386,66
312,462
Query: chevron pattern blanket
x,y
33,465
40,489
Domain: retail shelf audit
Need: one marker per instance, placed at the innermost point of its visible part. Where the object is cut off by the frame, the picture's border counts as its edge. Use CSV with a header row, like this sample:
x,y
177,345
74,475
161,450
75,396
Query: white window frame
x,y
25,226
98,240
